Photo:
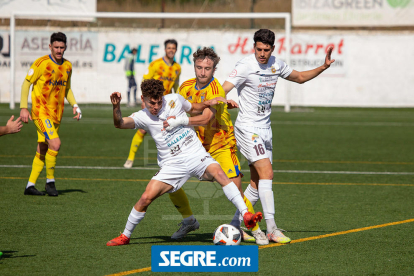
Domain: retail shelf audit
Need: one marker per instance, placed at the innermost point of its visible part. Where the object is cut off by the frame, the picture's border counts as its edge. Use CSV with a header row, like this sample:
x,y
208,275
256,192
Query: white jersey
x,y
256,85
173,146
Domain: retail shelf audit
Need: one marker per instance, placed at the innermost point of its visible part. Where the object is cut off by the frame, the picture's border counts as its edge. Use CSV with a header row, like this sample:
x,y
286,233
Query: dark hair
x,y
206,53
170,41
152,88
133,49
265,36
61,37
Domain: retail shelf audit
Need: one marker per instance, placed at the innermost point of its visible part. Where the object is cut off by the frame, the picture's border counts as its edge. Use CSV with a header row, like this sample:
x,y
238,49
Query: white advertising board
x,y
370,69
336,13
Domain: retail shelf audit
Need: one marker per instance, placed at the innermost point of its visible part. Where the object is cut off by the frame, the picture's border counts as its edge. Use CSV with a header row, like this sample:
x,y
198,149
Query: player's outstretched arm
x,y
11,126
302,77
197,108
119,121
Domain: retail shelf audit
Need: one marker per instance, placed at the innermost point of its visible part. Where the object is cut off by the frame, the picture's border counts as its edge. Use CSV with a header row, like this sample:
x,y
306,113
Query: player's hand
x,y
215,101
175,122
25,115
328,59
232,104
116,98
14,126
165,123
76,109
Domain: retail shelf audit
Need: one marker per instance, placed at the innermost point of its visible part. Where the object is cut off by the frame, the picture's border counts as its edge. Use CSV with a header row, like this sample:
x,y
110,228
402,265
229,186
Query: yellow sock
x,y
136,142
180,201
37,167
251,210
50,163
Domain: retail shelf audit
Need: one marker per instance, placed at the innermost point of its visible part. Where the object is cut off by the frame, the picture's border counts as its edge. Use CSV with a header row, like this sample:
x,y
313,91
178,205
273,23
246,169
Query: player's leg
x,y
154,189
262,174
189,222
214,171
136,142
37,167
134,88
53,141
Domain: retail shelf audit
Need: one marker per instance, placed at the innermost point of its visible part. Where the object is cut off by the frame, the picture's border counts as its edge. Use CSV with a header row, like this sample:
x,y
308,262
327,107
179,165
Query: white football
x,y
226,234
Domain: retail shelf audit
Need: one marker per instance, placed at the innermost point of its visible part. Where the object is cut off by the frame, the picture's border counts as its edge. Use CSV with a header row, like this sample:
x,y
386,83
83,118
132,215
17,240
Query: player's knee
x,y
55,145
220,176
145,200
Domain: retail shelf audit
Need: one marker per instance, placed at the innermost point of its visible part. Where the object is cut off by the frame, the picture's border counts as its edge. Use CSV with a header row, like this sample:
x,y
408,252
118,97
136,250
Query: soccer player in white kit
x,y
255,78
180,153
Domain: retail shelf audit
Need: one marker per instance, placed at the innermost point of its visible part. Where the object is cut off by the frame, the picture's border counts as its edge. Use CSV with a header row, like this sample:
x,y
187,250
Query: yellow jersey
x,y
169,74
50,82
219,133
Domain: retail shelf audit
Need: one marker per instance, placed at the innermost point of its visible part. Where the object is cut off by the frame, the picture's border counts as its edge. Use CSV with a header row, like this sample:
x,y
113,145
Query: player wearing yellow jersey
x,y
214,128
51,78
166,70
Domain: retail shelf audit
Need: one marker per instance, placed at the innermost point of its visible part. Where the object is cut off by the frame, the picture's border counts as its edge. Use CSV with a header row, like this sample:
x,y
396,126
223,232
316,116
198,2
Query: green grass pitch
x,y
336,170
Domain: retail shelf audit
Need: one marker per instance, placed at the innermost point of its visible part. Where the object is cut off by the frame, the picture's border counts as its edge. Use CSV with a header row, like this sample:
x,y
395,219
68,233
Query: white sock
x,y
251,194
134,218
233,194
29,184
50,180
268,202
189,220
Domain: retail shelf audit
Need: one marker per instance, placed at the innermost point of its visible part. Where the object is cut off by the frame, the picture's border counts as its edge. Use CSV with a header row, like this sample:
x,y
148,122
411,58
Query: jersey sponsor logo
x,y
178,139
265,102
57,83
166,78
265,95
233,73
267,78
31,72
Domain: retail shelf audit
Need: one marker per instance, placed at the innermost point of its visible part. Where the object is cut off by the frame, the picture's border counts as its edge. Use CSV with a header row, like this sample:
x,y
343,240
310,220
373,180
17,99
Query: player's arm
x,y
302,77
11,126
203,119
119,121
24,112
197,108
71,99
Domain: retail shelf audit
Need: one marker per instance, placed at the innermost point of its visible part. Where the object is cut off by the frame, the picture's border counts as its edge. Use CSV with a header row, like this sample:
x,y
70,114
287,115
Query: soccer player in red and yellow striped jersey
x,y
214,128
166,70
51,77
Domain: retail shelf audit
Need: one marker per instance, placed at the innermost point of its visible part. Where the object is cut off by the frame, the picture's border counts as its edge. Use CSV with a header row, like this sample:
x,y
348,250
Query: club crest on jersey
x,y
255,137
172,103
273,69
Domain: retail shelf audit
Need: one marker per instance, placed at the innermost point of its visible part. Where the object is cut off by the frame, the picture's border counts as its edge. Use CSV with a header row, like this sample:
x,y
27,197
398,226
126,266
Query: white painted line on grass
x,y
157,168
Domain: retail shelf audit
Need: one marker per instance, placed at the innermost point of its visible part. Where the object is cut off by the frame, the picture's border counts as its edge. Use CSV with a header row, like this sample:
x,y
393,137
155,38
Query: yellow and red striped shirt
x,y
219,133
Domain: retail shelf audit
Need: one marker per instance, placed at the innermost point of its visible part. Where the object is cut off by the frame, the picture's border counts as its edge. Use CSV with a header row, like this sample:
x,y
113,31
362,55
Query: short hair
x,y
206,53
152,88
170,41
134,49
265,36
61,37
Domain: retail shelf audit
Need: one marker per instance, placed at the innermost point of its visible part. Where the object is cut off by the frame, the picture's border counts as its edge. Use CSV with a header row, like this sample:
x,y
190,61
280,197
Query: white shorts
x,y
176,174
254,143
